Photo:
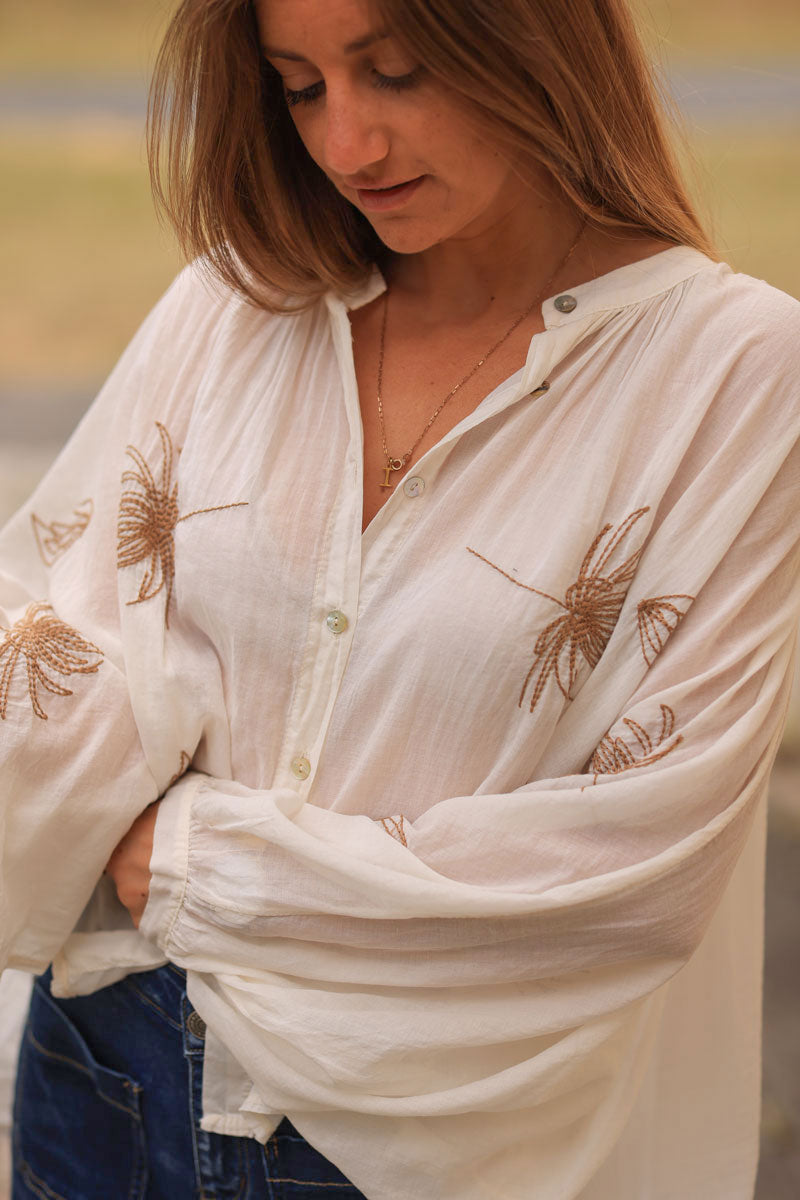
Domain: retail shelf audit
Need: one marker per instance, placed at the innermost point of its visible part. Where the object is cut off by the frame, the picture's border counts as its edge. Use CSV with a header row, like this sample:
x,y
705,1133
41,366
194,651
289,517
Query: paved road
x,y
761,91
779,1171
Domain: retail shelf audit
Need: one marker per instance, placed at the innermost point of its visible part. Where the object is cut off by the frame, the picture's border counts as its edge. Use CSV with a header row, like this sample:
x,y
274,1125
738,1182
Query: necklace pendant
x,y
392,464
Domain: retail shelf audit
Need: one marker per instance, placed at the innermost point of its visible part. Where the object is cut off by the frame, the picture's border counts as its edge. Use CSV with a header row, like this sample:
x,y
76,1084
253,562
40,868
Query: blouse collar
x,y
617,289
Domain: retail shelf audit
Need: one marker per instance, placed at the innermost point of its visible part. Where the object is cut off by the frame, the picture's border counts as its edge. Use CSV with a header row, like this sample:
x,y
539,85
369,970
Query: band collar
x,y
627,285
373,286
618,289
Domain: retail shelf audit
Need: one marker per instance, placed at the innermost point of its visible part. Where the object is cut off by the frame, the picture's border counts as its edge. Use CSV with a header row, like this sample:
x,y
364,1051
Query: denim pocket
x,y
162,991
78,1131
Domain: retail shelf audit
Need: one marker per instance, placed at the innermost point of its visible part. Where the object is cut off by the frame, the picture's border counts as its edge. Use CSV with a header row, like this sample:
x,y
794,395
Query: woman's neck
x,y
504,268
500,266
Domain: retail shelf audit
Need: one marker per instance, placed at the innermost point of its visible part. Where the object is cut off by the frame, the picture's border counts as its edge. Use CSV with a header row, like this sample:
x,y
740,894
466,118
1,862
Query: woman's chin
x,y
407,237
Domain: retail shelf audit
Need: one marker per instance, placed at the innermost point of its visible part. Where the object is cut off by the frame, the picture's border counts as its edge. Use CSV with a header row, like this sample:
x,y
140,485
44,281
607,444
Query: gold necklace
x,y
397,464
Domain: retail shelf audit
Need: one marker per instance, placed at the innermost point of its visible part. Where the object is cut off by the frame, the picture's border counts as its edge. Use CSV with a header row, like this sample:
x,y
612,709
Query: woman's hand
x,y
129,865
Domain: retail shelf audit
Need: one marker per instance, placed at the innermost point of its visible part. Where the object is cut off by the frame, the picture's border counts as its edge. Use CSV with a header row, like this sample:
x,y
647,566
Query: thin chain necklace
x,y
398,464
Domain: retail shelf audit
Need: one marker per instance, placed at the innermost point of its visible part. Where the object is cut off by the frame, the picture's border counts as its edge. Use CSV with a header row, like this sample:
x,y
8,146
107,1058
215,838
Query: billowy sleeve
x,y
73,775
508,946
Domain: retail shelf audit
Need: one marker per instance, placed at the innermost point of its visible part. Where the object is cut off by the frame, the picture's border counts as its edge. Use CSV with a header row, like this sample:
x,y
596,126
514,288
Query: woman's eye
x,y
308,95
398,82
305,95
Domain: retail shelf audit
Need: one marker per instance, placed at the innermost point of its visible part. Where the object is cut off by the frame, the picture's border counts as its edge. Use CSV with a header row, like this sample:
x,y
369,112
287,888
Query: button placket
x,y
326,650
338,581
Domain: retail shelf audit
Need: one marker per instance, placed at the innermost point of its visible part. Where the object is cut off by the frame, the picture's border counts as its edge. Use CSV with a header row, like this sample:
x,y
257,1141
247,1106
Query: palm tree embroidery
x,y
148,514
591,606
395,828
55,538
183,766
48,647
614,754
657,617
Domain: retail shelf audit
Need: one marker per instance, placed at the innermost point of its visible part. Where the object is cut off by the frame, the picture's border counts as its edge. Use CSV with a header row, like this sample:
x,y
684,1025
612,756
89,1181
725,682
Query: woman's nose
x,y
354,137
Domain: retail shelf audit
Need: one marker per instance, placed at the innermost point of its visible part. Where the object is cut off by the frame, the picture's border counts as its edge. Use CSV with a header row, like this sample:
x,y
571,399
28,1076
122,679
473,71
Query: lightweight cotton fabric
x,y
462,837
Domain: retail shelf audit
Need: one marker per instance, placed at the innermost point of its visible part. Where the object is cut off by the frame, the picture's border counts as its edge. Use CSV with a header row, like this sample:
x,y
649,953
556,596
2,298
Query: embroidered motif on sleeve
x,y
148,514
55,539
658,616
48,647
616,754
591,606
395,828
182,768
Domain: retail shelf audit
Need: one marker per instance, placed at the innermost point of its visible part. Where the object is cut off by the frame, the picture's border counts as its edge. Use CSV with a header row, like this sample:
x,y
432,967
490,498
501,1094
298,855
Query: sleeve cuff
x,y
169,860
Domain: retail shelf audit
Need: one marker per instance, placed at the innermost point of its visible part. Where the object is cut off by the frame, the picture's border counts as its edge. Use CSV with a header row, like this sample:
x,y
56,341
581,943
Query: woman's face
x,y
387,136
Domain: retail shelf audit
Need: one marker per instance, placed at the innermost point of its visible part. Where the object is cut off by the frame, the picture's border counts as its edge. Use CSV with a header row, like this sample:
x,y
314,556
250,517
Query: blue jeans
x,y
108,1106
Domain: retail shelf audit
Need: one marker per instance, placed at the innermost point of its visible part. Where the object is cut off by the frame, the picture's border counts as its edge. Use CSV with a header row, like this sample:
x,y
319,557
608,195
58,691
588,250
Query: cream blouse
x,y
462,841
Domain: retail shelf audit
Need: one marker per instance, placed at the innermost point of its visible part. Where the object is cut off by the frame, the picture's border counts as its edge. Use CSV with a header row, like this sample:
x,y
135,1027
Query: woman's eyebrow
x,y
351,48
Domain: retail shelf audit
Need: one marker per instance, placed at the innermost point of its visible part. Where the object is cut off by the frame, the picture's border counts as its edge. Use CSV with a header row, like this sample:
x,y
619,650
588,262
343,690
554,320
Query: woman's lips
x,y
391,197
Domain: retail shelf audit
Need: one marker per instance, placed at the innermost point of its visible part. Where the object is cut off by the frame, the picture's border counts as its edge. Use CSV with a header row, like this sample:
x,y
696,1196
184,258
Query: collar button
x,y
565,303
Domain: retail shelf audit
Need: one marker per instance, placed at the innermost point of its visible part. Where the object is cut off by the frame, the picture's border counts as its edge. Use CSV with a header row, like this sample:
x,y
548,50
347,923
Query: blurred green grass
x,y
84,257
746,179
117,37
73,38
721,31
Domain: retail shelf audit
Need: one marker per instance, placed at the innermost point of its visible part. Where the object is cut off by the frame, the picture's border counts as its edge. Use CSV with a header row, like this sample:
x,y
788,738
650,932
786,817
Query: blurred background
x,y
83,259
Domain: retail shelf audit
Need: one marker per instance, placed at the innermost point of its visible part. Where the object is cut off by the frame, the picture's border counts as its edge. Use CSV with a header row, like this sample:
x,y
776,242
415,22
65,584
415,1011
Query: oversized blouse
x,y
462,836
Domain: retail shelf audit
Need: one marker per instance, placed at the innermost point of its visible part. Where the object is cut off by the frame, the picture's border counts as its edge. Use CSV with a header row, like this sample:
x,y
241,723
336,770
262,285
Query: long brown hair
x,y
563,84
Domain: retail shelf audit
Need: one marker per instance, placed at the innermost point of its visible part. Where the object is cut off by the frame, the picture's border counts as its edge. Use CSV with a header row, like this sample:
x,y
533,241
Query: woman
x,y
414,612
